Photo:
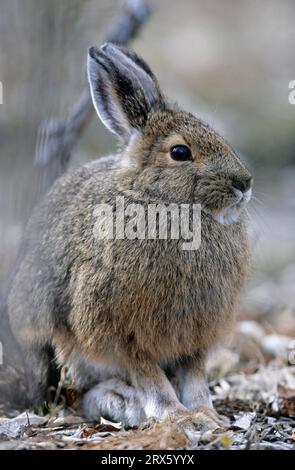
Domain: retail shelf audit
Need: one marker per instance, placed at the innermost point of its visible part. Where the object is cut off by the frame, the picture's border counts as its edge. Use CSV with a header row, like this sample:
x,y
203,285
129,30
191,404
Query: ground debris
x,y
15,427
252,384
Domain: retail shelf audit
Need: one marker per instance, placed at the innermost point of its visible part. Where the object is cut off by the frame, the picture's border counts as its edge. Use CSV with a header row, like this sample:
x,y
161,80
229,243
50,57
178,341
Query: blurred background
x,y
229,62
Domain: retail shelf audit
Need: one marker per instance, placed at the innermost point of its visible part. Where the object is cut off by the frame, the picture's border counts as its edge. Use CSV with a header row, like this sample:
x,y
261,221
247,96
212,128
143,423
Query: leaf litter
x,y
252,384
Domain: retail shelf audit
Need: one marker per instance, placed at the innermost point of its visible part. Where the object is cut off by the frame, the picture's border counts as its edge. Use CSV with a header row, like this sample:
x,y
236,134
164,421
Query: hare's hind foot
x,y
115,400
202,419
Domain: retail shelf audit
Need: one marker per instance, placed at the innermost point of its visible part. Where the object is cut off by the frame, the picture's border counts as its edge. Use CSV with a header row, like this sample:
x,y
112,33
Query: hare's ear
x,y
123,89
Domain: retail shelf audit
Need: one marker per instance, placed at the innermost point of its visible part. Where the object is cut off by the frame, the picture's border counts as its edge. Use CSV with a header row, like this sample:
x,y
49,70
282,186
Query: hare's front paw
x,y
113,400
202,419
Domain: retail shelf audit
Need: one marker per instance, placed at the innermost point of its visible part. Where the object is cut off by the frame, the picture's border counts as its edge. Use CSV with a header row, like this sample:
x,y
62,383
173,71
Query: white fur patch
x,y
232,213
195,393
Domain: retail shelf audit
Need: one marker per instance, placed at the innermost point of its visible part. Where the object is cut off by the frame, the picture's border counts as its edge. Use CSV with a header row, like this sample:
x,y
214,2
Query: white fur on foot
x,y
203,419
113,400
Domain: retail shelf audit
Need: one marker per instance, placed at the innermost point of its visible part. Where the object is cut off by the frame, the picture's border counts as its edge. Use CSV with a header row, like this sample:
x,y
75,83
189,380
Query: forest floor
x,y
252,383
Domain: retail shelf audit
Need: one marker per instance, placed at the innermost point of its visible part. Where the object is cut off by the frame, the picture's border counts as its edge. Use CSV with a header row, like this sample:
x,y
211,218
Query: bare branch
x,y
58,136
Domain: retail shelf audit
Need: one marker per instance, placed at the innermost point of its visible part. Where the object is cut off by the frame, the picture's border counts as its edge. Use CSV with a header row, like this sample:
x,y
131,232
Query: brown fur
x,y
139,304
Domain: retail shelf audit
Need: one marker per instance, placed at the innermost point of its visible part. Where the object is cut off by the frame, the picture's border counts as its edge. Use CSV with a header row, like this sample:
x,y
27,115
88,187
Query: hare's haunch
x,y
133,317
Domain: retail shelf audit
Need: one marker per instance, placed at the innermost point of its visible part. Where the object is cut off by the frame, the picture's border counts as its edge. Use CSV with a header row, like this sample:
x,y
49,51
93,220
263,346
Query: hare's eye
x,y
180,153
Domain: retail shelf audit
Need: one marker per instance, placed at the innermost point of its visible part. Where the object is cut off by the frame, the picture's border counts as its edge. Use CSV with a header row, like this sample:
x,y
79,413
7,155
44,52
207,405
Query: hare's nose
x,y
242,184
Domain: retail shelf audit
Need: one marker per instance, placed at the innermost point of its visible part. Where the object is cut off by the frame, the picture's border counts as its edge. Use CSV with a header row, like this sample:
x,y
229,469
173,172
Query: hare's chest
x,y
175,299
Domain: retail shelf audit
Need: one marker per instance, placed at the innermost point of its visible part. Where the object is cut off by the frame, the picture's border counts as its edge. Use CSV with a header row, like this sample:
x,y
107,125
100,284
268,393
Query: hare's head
x,y
170,154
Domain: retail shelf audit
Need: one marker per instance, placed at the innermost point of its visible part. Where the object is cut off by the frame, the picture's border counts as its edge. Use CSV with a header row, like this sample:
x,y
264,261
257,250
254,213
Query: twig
x,y
57,137
251,435
28,418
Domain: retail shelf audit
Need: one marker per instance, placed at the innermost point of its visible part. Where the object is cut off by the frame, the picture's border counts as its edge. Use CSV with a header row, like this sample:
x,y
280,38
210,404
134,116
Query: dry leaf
x,y
226,441
287,402
244,421
86,432
285,392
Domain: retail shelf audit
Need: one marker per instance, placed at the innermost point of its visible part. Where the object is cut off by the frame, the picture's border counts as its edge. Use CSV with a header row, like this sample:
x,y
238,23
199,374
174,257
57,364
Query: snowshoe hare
x,y
125,314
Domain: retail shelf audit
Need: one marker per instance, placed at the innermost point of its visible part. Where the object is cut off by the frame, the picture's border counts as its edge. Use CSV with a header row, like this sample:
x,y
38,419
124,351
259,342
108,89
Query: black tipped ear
x,y
123,88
